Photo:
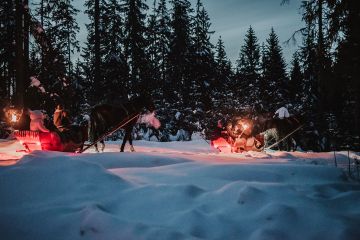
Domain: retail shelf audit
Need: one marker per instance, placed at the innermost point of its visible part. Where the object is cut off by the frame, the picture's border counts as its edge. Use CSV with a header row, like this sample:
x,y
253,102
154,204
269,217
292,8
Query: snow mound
x,y
177,191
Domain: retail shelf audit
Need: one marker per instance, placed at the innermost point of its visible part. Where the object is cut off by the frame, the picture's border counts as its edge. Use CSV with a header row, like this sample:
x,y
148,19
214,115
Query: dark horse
x,y
276,129
106,117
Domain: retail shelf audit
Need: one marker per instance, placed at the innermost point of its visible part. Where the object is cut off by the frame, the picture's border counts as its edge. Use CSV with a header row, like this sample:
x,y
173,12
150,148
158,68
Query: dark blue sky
x,y
232,18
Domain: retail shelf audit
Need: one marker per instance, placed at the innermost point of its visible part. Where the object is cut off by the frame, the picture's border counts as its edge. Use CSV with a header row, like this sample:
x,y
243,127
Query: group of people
x,y
37,120
247,134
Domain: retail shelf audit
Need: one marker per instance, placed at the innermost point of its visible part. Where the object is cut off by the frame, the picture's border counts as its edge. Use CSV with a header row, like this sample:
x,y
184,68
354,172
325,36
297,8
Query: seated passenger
x,y
37,121
61,118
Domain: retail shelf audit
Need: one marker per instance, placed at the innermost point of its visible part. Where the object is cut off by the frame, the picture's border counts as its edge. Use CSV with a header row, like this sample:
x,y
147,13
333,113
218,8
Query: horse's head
x,y
144,102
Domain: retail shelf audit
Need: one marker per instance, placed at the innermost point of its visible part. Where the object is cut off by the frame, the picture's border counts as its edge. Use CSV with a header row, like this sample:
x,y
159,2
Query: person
x,y
37,121
61,118
282,113
58,115
219,130
65,121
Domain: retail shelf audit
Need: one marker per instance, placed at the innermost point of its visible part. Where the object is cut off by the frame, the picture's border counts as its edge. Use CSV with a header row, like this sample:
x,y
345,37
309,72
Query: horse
x,y
105,117
277,129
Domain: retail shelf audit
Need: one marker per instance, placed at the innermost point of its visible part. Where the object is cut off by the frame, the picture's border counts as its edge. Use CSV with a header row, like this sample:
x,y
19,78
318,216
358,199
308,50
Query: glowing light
x,y
13,117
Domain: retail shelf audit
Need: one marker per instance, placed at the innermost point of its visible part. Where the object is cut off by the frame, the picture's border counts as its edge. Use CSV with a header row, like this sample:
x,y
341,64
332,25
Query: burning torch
x,y
244,127
13,115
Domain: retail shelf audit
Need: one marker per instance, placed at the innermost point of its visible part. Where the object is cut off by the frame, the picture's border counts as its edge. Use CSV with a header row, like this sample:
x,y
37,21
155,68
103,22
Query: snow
x,y
175,190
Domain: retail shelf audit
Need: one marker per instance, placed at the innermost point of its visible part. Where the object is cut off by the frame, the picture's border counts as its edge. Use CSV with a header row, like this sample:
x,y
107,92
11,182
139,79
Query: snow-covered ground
x,y
176,190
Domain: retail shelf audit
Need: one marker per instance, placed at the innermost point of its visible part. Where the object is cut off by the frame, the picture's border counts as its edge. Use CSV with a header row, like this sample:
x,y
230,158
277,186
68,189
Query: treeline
x,y
164,49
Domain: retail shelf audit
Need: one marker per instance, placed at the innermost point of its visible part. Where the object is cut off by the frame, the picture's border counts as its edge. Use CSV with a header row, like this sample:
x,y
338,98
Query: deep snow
x,y
176,190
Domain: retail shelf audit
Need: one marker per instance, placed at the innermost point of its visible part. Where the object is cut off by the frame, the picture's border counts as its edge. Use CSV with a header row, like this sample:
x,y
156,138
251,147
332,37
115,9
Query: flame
x,y
13,117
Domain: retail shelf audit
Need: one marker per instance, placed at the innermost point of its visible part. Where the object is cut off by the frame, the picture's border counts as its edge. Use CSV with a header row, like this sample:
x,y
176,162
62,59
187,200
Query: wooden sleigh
x,y
35,140
48,141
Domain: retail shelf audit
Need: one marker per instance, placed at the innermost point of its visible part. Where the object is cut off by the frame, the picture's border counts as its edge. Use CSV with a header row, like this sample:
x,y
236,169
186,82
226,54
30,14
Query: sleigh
x,y
239,144
49,141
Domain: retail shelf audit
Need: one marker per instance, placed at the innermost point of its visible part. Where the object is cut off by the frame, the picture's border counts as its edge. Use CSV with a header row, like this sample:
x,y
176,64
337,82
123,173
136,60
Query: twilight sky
x,y
232,18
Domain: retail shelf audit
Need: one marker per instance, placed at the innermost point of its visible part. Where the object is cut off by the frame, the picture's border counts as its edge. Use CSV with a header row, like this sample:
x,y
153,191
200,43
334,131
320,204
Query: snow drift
x,y
177,191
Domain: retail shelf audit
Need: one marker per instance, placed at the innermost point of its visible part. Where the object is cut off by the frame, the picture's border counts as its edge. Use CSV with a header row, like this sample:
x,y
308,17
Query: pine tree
x,y
203,58
163,40
248,74
315,14
295,83
310,83
347,70
223,88
116,70
7,50
78,107
274,81
58,18
135,45
54,44
93,52
179,80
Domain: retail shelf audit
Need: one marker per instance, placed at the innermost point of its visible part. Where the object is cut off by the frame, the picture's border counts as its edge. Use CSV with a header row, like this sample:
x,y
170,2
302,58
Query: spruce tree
x,y
310,95
7,50
179,71
203,61
93,52
135,45
248,74
347,69
116,71
222,85
295,83
274,82
64,29
162,27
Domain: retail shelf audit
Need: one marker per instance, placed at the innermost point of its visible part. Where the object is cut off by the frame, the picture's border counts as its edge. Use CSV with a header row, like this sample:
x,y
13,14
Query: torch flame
x,y
13,117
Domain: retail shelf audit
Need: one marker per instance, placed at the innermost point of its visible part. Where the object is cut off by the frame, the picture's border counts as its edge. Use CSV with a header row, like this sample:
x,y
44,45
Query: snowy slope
x,y
177,190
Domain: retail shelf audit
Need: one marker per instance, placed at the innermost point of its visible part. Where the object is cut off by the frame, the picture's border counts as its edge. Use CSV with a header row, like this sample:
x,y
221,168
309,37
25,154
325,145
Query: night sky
x,y
232,18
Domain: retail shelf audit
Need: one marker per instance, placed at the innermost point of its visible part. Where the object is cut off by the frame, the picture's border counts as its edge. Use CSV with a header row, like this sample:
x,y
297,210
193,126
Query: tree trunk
x,y
19,62
322,89
26,44
97,47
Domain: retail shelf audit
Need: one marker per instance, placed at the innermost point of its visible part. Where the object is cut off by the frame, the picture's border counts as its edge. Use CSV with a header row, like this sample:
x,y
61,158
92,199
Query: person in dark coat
x,y
58,115
61,118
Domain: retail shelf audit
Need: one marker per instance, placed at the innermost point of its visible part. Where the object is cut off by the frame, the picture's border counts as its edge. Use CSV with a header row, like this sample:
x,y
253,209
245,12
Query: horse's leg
x,y
126,137
102,145
130,141
96,147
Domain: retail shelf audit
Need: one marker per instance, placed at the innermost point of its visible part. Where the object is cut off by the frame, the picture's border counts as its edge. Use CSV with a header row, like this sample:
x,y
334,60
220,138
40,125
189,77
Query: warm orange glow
x,y
13,117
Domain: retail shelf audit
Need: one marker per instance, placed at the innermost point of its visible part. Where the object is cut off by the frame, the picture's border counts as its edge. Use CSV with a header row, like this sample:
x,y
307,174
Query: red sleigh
x,y
50,141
